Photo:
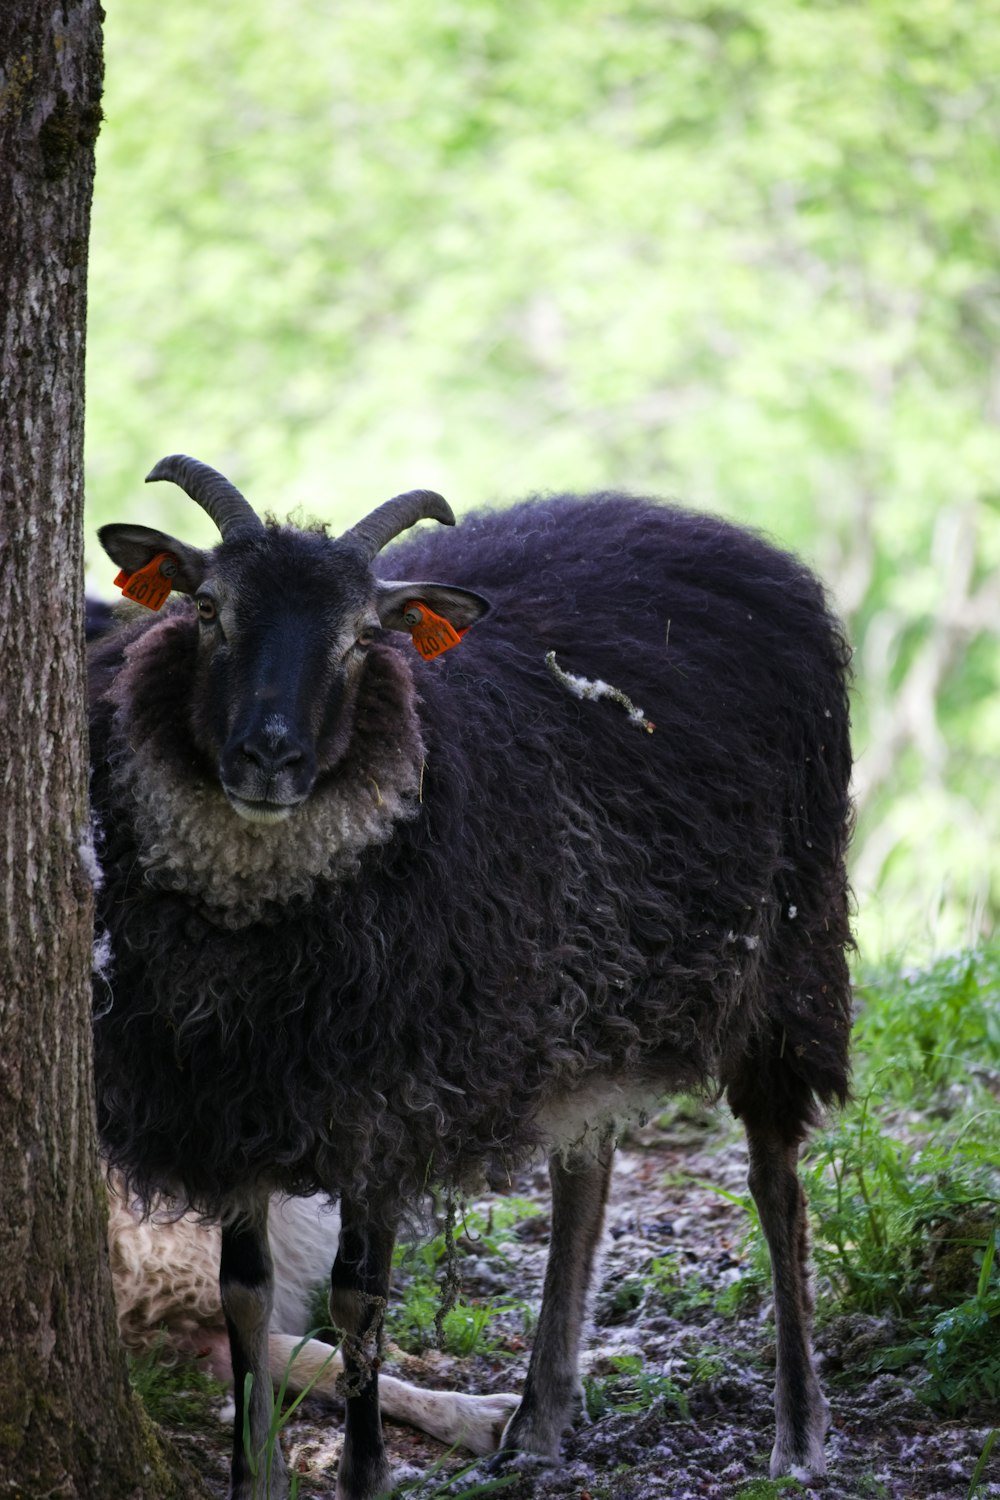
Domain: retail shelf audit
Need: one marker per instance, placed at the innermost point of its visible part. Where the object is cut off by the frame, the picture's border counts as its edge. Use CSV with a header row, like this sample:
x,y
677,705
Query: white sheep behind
x,y
166,1280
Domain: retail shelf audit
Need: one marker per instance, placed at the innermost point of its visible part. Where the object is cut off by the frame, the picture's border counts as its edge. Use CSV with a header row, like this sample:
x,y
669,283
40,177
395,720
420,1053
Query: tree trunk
x,y
69,1425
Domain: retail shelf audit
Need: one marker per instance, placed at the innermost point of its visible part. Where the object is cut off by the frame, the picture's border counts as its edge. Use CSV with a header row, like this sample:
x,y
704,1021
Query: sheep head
x,y
285,621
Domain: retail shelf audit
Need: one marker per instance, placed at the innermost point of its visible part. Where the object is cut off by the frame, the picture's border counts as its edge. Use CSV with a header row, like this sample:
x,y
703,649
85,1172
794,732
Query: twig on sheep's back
x,y
587,687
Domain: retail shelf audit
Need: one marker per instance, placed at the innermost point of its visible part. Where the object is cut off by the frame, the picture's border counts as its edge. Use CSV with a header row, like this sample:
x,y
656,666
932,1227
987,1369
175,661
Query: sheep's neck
x,y
190,839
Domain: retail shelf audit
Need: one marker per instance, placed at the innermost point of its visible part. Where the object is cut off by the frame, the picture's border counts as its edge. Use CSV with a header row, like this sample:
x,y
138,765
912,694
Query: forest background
x,y
744,256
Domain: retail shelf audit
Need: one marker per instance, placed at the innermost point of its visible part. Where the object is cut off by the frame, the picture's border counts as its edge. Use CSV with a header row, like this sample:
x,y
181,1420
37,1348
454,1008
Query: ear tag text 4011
x,y
149,585
432,634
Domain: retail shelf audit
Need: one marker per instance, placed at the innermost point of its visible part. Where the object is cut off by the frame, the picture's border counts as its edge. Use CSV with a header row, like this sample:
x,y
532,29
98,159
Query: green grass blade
x,y
977,1472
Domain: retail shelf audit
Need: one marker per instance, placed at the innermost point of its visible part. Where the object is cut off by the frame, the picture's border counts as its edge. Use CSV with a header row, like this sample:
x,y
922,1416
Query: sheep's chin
x,y
260,812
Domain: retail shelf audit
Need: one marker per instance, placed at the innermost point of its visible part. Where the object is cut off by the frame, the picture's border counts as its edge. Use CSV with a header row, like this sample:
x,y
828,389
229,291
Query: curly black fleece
x,y
575,896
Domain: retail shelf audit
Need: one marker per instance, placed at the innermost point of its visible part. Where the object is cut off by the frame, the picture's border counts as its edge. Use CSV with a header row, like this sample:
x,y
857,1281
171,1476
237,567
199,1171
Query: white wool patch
x,y
101,956
304,1234
87,851
602,1107
102,966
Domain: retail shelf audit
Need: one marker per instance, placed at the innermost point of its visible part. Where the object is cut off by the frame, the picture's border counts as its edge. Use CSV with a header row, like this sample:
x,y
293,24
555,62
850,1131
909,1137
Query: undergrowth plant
x,y
680,1290
423,1272
935,1026
962,1351
175,1393
662,1279
628,1387
769,1489
903,1185
888,1208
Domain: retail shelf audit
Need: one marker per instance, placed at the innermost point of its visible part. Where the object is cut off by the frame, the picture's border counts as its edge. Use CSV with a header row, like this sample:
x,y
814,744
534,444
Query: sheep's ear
x,y
133,547
460,607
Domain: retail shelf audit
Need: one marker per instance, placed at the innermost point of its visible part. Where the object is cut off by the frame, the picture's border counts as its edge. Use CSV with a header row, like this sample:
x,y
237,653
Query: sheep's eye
x,y
206,608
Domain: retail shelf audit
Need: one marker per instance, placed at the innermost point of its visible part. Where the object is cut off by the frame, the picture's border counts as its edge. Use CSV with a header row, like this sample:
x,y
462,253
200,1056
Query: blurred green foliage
x,y
743,255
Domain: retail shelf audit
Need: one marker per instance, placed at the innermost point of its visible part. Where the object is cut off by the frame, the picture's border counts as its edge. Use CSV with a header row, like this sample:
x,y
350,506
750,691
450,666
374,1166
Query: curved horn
x,y
388,520
222,500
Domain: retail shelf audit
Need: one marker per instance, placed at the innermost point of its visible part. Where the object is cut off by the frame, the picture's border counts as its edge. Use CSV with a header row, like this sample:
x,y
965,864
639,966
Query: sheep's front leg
x,y
579,1198
359,1289
246,1281
801,1412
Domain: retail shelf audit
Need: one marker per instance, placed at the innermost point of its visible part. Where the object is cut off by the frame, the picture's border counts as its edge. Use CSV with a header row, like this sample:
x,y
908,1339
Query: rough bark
x,y
69,1425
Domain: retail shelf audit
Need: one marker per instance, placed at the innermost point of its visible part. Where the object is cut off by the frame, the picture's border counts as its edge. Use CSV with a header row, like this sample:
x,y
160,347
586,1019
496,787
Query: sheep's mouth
x,y
262,812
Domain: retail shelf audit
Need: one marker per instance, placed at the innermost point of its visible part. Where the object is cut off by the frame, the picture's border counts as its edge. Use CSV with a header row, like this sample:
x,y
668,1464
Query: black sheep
x,y
377,922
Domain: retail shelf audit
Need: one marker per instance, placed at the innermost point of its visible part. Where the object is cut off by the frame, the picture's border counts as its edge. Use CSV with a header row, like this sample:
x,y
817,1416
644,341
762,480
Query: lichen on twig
x,y
451,1284
588,687
362,1351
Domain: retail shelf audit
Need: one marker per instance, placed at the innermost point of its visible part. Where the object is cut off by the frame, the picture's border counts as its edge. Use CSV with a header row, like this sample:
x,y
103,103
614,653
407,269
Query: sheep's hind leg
x,y
359,1288
473,1422
579,1198
246,1282
801,1412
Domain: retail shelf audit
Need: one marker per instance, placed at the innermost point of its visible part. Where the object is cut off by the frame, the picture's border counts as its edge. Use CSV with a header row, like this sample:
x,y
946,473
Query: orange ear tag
x,y
431,633
150,585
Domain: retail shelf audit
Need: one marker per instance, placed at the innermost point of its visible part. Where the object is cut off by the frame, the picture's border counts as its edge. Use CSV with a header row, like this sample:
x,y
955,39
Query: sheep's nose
x,y
273,749
271,761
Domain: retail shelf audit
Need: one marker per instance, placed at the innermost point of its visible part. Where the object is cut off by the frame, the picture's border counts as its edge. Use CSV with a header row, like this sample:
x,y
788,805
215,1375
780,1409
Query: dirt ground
x,y
698,1381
